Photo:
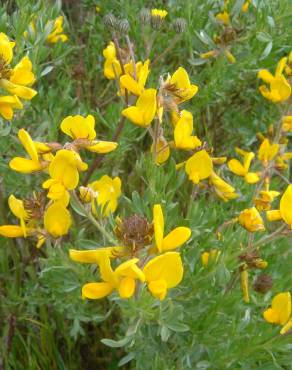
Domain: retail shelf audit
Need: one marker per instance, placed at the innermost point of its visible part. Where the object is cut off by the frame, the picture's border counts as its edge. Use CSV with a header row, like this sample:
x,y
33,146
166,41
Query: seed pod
x,y
123,26
145,16
263,283
110,21
180,25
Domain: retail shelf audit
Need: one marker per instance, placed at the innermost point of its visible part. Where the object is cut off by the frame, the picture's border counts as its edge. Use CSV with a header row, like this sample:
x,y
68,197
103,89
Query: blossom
x,y
64,171
104,192
17,80
57,32
25,165
267,151
183,132
174,239
7,104
162,150
57,220
287,123
210,256
160,13
81,129
123,279
280,311
263,202
251,220
112,68
279,88
243,169
135,85
199,166
223,17
162,273
285,211
245,6
180,83
144,111
224,190
14,231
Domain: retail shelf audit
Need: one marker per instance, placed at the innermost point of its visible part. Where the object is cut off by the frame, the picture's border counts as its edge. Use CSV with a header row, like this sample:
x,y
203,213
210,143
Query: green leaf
x,y
116,343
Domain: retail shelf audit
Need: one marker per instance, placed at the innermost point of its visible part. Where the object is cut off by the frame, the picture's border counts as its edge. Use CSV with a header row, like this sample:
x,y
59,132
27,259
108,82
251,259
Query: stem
x,y
170,47
269,238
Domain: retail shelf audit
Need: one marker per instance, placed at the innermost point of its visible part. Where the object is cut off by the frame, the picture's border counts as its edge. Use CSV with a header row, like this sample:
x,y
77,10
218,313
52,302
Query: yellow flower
x,y
287,123
123,279
223,17
105,192
280,89
57,220
230,57
25,165
280,311
251,220
263,203
162,150
14,231
112,68
81,129
243,170
176,238
7,104
184,90
183,132
285,211
135,86
267,151
64,171
199,166
209,54
159,13
245,6
142,114
162,273
6,48
57,31
17,80
210,257
224,190
95,255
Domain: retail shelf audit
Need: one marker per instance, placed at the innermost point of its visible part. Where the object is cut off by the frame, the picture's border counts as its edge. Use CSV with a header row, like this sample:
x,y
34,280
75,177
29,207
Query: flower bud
x,y
263,283
123,26
145,16
180,25
110,21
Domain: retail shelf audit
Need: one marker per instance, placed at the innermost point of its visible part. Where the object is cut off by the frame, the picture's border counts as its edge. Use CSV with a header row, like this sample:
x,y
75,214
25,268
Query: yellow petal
x,y
127,287
251,177
22,73
24,165
236,167
158,221
11,231
130,84
57,220
199,166
274,215
79,127
176,238
28,144
96,290
158,288
286,206
281,303
265,75
167,267
94,255
130,269
18,90
102,146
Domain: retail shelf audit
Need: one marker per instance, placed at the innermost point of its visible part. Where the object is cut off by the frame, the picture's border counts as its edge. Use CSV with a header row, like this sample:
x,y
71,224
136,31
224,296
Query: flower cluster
x,y
14,80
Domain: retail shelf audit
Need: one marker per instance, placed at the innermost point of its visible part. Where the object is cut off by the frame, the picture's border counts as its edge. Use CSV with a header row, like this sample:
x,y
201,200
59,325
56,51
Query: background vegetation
x,y
202,324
